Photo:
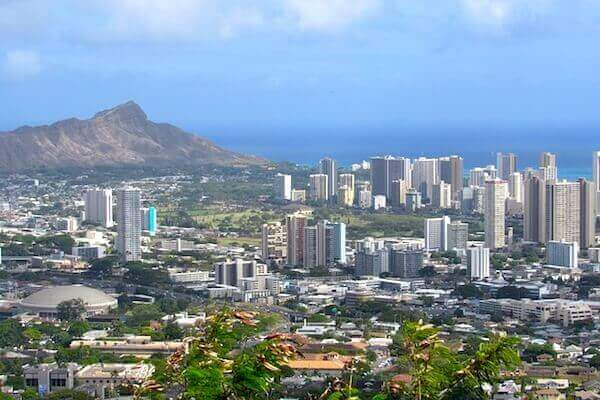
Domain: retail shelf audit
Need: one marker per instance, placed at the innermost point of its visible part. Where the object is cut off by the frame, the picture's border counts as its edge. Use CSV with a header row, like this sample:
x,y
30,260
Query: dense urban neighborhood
x,y
392,278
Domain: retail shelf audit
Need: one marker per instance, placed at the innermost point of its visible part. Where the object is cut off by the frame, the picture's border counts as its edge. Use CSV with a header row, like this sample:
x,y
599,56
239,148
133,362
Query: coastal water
x,y
478,146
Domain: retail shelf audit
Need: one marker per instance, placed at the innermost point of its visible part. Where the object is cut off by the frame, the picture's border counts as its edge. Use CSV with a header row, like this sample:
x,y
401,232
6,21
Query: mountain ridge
x,y
118,136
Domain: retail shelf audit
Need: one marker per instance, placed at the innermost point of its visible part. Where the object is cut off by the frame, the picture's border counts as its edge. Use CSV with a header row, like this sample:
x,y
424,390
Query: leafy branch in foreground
x,y
226,360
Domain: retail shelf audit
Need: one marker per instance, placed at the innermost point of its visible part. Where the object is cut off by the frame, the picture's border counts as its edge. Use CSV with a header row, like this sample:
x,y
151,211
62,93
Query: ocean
x,y
478,147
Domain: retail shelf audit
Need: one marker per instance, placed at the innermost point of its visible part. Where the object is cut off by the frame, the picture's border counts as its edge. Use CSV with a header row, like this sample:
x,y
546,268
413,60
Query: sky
x,y
283,68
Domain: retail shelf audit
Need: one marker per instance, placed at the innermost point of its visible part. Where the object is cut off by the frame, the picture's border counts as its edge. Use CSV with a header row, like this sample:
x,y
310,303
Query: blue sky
x,y
287,65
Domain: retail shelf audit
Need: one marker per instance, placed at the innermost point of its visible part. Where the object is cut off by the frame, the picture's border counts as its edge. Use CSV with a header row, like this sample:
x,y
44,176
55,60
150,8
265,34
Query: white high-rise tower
x,y
495,208
129,220
99,207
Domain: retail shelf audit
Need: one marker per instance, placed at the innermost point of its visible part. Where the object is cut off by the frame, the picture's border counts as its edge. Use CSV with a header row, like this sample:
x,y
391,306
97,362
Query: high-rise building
x,y
67,224
478,199
562,253
563,214
436,233
129,220
506,165
233,273
478,262
441,195
327,167
495,209
319,187
425,175
596,178
359,187
372,262
515,187
274,241
548,168
365,199
379,175
534,210
379,201
405,263
587,209
339,242
451,172
311,247
299,195
385,170
283,186
99,207
149,222
295,224
478,175
413,200
325,244
398,195
345,197
458,235
347,180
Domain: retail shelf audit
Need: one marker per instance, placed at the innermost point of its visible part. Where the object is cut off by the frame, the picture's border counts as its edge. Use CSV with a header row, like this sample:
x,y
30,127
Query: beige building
x,y
274,241
348,181
132,345
495,210
563,214
318,187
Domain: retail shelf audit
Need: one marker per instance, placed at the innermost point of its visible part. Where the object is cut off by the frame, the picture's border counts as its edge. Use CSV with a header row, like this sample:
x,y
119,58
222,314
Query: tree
x,y
142,314
512,292
531,352
102,267
78,328
70,310
32,335
437,373
11,334
211,370
141,274
595,361
468,291
172,331
30,394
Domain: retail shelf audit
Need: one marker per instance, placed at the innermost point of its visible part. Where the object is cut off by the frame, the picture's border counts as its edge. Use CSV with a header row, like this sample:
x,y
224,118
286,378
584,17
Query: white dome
x,y
49,298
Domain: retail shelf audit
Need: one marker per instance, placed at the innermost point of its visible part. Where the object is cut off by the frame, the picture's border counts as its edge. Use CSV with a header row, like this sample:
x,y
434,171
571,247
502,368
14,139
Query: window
x,y
33,382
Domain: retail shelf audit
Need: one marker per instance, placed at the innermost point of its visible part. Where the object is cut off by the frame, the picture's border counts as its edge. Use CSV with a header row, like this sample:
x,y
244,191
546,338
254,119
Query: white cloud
x,y
501,16
21,65
329,15
193,20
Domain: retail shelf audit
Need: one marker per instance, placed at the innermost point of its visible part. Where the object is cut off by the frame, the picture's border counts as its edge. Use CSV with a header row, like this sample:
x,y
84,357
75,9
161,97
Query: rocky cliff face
x,y
120,136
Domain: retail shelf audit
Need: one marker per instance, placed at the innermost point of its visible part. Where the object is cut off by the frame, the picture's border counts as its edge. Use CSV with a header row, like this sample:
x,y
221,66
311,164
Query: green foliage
x,y
468,291
498,261
69,394
70,310
101,268
531,352
212,370
78,328
142,314
512,292
318,318
30,394
437,373
47,244
11,334
141,274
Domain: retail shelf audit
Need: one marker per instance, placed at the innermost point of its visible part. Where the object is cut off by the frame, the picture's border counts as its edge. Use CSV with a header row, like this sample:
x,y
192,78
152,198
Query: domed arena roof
x,y
51,297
